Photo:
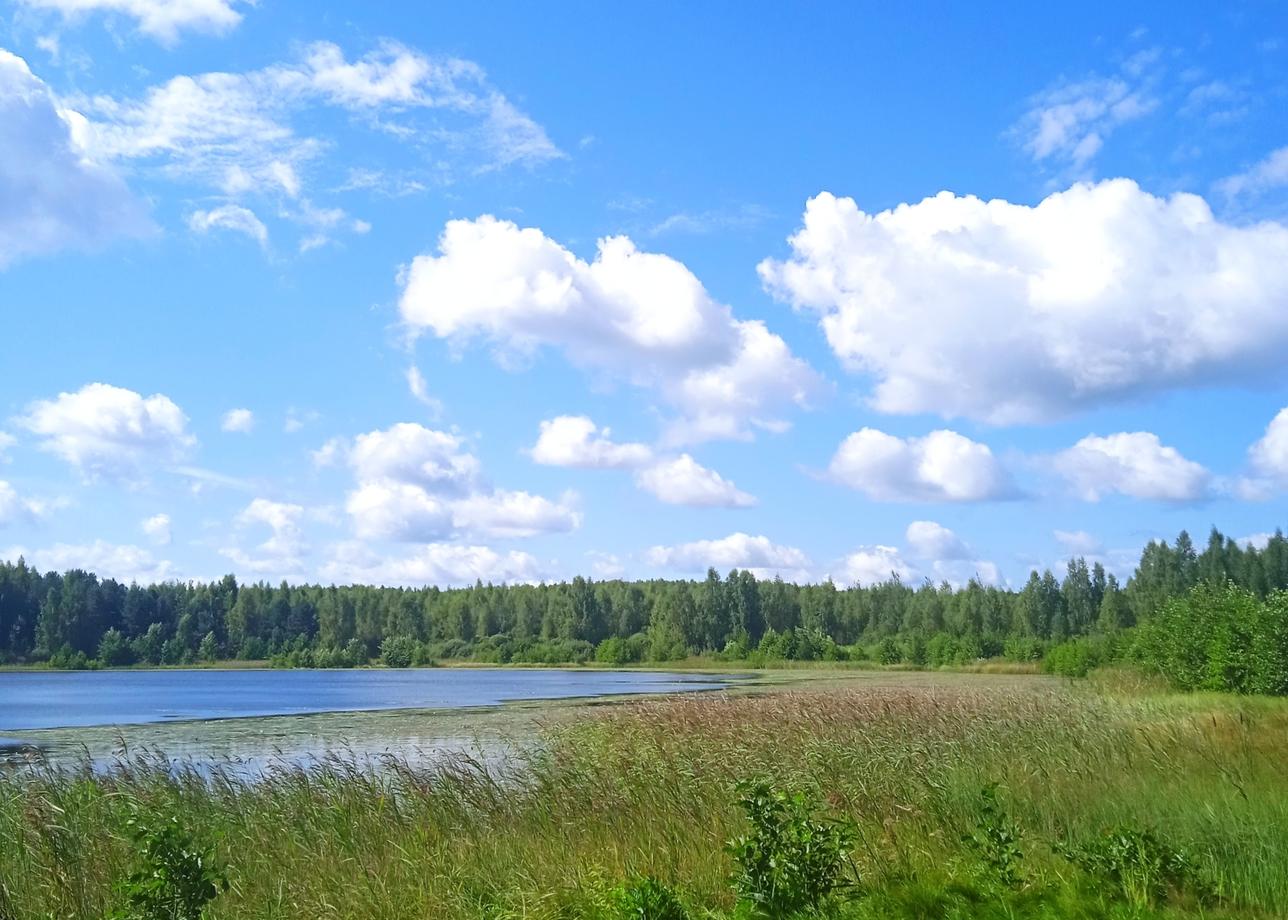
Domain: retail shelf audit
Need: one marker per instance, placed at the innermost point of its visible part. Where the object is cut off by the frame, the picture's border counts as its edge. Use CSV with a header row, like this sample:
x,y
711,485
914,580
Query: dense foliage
x,y
76,619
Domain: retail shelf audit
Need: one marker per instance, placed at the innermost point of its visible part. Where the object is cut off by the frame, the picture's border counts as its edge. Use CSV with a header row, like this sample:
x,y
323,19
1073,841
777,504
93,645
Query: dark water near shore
x,y
42,700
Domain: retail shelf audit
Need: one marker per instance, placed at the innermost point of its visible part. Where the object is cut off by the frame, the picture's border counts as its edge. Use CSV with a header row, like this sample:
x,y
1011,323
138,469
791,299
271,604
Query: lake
x,y
254,721
33,700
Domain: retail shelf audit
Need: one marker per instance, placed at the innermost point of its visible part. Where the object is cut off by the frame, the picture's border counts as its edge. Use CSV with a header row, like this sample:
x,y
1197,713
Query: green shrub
x,y
791,860
554,651
1023,648
778,646
176,877
450,649
114,651
645,898
888,651
997,839
398,651
1142,868
1221,637
1078,657
1269,670
620,651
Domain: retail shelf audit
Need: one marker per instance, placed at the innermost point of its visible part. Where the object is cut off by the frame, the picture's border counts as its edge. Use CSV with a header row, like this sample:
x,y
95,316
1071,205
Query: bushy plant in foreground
x,y
1142,867
997,839
646,898
176,877
791,860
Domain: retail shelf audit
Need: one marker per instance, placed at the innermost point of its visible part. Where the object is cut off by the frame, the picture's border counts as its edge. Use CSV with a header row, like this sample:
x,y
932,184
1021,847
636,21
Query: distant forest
x,y
76,619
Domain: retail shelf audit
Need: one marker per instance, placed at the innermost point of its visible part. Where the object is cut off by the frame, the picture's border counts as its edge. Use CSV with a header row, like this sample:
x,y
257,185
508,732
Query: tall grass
x,y
646,789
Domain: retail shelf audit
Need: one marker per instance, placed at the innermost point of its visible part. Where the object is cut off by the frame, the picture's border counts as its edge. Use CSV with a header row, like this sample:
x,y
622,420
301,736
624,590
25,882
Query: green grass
x,y
646,788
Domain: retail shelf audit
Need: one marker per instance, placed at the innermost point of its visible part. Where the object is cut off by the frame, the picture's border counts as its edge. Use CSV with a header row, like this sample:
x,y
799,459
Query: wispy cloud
x,y
1067,124
241,135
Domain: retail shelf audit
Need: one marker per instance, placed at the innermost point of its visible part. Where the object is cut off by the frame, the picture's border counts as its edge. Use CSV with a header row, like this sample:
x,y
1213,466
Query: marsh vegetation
x,y
977,797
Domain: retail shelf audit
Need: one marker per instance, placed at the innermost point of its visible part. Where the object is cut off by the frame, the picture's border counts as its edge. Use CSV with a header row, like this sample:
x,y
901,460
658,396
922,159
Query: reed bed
x,y
645,788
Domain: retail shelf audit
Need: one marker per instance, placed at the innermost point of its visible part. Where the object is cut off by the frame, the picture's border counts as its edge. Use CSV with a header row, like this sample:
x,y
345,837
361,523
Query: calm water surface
x,y
42,700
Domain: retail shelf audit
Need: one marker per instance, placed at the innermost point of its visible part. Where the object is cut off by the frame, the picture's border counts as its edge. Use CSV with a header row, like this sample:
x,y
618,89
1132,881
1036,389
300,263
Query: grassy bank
x,y
648,788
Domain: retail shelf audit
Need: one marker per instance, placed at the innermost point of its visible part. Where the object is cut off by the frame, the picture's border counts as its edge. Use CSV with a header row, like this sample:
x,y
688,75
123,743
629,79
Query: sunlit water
x,y
255,720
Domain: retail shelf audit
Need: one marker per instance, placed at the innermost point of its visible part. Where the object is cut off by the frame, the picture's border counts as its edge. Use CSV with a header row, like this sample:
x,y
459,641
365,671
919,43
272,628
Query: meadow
x,y
951,796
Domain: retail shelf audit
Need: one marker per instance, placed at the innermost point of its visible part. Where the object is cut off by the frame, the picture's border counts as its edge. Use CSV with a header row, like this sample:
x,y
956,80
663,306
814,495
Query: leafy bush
x,y
114,651
645,898
1023,648
497,649
777,646
1220,637
352,655
1270,647
176,878
70,660
619,651
997,839
943,649
450,649
791,860
554,651
1078,657
888,651
1142,867
914,650
398,651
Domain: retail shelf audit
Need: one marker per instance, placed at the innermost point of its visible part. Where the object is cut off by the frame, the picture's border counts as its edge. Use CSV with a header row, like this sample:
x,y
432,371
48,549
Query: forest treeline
x,y
1074,621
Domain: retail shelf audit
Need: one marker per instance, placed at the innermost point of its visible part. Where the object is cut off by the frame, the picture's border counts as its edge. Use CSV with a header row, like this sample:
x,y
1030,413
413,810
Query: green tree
x,y
113,650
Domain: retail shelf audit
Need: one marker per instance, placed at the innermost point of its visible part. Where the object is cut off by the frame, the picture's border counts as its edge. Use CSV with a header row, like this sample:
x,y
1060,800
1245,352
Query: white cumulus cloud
x,y
401,511
756,554
109,431
505,513
941,466
1135,464
575,441
444,564
684,481
238,420
415,484
1268,461
870,565
163,20
941,556
157,529
1256,540
1079,542
53,193
1009,313
931,540
412,453
15,507
639,316
125,563
284,551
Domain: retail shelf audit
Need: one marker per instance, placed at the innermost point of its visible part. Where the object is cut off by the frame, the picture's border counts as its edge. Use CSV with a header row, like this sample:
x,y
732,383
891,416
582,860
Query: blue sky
x,y
419,294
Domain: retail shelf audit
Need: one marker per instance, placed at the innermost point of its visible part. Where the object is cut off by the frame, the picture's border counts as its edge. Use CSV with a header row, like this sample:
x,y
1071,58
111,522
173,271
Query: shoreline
x,y
371,732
